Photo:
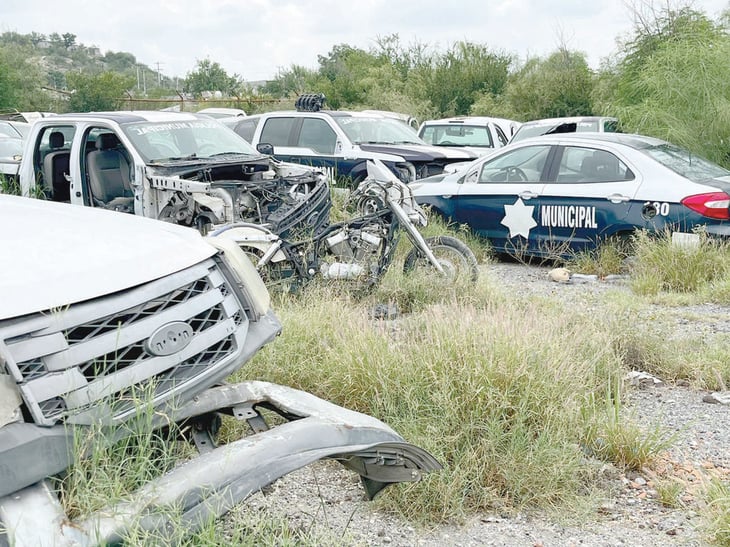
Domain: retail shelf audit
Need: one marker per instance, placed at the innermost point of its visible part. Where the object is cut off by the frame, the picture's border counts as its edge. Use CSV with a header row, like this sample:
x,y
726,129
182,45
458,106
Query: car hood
x,y
421,152
55,254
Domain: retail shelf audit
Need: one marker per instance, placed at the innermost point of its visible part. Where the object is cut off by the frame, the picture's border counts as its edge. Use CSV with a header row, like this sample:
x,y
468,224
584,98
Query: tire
x,y
455,257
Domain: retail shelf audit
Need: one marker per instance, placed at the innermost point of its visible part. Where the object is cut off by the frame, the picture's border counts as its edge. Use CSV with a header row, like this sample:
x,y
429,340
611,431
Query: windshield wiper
x,y
229,154
192,156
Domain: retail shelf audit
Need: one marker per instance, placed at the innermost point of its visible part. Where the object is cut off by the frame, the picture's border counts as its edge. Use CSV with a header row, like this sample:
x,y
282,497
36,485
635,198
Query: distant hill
x,y
56,54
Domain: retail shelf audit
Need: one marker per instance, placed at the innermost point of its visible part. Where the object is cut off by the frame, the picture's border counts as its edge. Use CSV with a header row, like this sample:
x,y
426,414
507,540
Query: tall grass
x,y
718,513
663,266
506,394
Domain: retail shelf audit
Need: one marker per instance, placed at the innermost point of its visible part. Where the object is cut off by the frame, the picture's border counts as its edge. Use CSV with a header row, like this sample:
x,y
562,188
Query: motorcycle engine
x,y
354,251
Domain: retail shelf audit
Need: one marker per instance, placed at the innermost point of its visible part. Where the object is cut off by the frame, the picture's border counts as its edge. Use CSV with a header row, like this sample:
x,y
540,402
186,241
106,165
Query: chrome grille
x,y
127,317
86,359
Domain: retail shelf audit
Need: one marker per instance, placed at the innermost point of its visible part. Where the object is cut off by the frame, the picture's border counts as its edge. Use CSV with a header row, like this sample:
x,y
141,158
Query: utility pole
x,y
159,77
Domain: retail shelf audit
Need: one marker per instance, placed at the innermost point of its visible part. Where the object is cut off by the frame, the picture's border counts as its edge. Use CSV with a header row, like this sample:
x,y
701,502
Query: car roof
x,y
626,139
568,119
122,117
468,119
332,113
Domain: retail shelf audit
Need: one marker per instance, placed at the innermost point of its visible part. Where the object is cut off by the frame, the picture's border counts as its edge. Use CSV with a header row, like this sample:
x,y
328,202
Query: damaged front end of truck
x,y
90,321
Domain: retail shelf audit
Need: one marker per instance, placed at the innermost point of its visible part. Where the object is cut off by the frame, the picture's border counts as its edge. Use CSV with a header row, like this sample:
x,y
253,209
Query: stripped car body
x,y
182,168
86,331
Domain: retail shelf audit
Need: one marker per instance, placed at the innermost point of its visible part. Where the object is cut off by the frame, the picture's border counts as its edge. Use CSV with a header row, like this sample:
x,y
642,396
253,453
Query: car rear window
x,y
683,162
458,135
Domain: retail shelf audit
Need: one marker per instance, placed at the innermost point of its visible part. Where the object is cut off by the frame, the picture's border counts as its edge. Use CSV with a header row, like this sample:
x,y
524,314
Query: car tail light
x,y
712,205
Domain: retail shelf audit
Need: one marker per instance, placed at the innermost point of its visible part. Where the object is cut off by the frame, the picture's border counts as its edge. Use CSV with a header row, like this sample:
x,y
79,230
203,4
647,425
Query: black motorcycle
x,y
358,250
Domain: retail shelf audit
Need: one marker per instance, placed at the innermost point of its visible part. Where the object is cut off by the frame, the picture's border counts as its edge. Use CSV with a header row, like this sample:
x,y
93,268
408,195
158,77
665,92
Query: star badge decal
x,y
518,218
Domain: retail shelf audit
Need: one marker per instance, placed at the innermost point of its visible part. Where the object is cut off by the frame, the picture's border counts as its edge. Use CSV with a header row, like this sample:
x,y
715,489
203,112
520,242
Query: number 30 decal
x,y
662,208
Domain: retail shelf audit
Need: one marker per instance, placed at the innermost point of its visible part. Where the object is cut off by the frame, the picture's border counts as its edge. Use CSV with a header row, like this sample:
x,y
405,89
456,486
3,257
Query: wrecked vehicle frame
x,y
182,168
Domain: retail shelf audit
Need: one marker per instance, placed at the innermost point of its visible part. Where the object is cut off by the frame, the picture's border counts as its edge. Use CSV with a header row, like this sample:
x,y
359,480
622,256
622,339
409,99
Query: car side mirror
x,y
265,148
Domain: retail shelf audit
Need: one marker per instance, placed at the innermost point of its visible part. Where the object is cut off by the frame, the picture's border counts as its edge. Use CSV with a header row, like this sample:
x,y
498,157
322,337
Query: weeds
x,y
669,492
607,259
619,439
9,185
663,266
501,392
112,464
718,513
517,398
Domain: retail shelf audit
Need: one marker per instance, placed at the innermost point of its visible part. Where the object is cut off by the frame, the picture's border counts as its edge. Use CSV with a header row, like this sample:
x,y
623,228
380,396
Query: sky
x,y
255,39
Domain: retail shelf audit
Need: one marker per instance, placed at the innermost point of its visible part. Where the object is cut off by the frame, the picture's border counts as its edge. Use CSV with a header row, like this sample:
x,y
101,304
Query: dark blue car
x,y
557,194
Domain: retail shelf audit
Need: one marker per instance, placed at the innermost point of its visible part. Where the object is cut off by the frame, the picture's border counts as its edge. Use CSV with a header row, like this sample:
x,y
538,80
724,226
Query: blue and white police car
x,y
558,194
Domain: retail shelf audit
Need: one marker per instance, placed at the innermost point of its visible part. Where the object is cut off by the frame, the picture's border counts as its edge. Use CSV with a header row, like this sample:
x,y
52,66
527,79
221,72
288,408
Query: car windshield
x,y
685,163
362,130
190,139
458,135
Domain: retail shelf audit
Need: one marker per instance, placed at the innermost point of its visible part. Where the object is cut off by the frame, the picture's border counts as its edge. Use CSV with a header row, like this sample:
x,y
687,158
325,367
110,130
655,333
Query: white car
x,y
178,167
478,134
341,142
214,112
570,124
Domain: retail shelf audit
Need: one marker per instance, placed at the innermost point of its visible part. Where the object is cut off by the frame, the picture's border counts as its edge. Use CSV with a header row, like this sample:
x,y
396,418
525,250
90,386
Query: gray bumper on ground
x,y
212,483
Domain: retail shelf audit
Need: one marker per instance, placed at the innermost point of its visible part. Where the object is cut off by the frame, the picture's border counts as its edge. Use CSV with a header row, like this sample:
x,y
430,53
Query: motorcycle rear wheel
x,y
454,256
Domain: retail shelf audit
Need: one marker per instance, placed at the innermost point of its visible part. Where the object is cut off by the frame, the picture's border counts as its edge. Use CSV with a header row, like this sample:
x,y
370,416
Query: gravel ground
x,y
327,499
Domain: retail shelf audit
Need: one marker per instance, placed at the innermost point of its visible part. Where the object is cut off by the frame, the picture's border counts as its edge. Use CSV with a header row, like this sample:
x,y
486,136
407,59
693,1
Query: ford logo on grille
x,y
169,338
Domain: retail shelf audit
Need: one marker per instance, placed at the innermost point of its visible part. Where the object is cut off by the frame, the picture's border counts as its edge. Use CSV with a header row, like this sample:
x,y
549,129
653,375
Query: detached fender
x,y
212,483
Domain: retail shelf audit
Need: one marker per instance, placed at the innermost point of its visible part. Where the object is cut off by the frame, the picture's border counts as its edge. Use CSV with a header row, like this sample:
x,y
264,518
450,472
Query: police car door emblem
x,y
169,338
518,218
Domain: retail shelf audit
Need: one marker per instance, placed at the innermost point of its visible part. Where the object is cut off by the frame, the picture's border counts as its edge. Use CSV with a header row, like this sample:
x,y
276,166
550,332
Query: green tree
x,y
559,85
20,80
210,76
671,82
98,92
343,75
452,81
292,81
69,40
120,61
36,38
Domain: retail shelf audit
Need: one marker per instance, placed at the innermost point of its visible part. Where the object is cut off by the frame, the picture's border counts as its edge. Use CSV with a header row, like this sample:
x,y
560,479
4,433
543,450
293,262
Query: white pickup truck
x,y
96,306
183,168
